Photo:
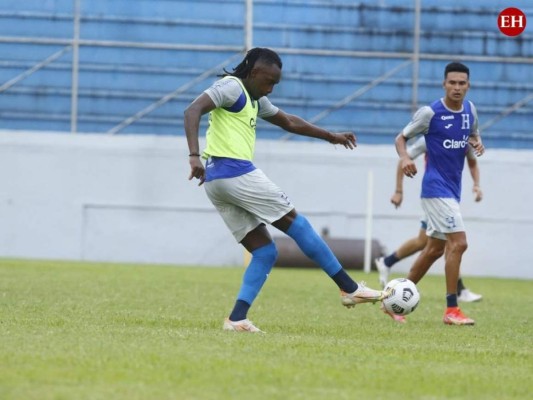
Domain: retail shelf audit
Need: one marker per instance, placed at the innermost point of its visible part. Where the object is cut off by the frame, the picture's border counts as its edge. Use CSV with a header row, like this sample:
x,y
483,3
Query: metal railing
x,y
73,44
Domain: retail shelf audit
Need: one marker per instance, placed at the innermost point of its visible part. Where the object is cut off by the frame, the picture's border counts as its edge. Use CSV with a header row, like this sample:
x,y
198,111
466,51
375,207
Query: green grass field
x,y
103,331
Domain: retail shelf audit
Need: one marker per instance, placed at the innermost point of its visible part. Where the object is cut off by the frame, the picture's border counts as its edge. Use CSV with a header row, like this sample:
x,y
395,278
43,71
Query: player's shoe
x,y
383,271
467,296
363,294
398,318
454,316
244,325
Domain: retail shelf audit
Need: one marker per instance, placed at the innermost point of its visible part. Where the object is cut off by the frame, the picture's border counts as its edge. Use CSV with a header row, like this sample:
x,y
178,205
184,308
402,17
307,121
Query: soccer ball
x,y
403,298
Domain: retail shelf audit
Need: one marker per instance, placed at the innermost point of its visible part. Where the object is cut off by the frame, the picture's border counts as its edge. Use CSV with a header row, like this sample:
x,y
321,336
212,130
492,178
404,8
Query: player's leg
x,y
413,245
464,294
456,246
313,246
408,248
436,241
229,197
432,252
264,254
444,217
460,284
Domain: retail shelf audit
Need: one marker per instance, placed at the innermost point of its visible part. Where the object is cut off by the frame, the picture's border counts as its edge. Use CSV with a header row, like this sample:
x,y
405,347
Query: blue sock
x,y
344,282
451,300
317,250
391,260
256,274
240,310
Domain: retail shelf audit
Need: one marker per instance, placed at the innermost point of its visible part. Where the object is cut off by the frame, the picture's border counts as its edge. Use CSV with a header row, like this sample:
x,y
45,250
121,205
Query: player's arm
x,y
192,115
415,148
397,197
477,145
294,124
418,125
474,172
474,140
407,165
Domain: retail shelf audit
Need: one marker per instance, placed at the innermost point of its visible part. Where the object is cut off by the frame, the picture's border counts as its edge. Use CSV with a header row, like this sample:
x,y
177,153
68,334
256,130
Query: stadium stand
x,y
348,65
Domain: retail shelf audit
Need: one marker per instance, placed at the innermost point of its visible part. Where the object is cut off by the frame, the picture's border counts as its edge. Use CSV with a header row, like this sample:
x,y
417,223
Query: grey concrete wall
x,y
127,199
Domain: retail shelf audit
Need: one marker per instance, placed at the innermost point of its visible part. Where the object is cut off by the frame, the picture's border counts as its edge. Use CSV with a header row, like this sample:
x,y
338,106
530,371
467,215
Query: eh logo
x,y
512,21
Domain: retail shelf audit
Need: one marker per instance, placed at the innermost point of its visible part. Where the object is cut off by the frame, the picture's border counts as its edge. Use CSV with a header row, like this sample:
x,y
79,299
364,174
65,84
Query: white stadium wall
x,y
127,199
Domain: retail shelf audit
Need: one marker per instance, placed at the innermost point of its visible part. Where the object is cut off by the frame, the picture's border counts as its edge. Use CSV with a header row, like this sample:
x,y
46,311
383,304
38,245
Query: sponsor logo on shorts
x,y
450,221
286,198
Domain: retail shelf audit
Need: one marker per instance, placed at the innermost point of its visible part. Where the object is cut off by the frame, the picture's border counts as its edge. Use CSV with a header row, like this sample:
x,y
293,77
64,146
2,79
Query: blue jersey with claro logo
x,y
446,134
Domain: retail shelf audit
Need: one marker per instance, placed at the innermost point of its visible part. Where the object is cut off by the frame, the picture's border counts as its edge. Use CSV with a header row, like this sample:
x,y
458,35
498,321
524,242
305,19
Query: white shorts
x,y
443,217
246,201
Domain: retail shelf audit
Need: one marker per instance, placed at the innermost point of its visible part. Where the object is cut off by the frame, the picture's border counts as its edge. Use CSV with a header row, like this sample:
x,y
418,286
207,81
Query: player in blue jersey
x,y
450,126
415,149
242,194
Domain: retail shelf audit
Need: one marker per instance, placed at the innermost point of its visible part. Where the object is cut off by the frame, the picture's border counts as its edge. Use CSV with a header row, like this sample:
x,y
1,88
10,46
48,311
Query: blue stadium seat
x,y
116,81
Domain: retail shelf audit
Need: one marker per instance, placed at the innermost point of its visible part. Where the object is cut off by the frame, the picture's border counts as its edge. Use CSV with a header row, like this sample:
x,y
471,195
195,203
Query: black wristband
x,y
194,155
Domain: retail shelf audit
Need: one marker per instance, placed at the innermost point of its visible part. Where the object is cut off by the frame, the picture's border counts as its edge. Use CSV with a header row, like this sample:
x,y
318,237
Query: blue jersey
x,y
446,133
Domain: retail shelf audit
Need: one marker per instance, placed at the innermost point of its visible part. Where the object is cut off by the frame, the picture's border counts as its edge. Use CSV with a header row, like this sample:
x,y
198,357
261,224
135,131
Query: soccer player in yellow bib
x,y
244,196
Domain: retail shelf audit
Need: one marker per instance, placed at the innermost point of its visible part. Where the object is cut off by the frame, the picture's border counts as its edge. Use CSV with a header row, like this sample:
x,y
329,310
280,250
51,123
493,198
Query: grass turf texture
x,y
105,331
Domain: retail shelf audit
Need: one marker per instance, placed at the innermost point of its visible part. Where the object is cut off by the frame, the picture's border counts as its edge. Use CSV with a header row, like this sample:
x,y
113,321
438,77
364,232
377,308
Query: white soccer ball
x,y
403,298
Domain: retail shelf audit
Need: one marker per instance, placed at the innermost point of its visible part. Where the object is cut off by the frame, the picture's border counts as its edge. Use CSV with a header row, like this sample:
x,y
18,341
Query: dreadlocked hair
x,y
252,56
